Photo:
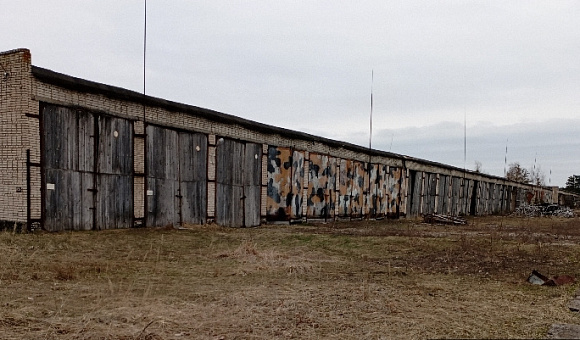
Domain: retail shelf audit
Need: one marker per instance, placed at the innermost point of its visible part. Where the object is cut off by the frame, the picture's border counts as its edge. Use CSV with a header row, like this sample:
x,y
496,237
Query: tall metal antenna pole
x,y
144,132
505,159
369,167
144,50
464,139
535,174
371,116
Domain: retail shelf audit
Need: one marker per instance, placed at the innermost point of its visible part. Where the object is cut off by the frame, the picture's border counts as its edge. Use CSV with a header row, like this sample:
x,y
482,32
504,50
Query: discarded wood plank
x,y
444,219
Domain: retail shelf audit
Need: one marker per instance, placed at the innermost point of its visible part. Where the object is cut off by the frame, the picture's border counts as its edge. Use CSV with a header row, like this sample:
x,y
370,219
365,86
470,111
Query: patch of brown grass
x,y
385,279
62,272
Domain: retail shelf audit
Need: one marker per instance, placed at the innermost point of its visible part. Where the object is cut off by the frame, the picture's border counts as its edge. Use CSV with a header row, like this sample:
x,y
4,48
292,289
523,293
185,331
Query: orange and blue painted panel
x,y
358,189
374,200
393,190
297,184
345,176
285,180
321,183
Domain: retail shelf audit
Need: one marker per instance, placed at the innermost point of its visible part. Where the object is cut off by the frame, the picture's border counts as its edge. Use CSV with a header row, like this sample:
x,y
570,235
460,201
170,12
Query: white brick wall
x,y
18,132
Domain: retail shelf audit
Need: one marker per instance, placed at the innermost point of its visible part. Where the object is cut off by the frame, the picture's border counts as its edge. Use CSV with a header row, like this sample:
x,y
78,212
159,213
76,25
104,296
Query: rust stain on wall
x,y
26,57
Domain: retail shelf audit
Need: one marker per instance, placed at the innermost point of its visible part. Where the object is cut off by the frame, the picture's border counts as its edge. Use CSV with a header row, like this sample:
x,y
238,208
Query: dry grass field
x,y
345,280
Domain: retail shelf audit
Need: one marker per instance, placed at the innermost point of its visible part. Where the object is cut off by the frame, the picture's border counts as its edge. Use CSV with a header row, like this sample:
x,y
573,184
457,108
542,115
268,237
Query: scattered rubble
x,y
537,278
444,219
543,210
567,331
564,331
574,304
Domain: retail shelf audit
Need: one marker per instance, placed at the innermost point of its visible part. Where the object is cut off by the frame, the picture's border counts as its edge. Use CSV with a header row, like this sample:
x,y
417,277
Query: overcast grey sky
x,y
512,68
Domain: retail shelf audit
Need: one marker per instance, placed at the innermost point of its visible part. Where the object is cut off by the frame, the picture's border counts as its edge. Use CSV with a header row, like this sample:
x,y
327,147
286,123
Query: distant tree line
x,y
534,176
573,184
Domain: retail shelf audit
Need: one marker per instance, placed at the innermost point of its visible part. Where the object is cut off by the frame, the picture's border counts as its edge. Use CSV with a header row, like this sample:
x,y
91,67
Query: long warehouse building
x,y
80,155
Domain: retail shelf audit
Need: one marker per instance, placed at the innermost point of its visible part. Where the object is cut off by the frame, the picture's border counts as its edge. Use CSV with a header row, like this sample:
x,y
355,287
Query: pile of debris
x,y
527,210
536,278
564,212
543,210
443,219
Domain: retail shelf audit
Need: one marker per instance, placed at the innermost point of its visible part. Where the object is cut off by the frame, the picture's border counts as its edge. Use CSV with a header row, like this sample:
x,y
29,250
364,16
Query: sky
x,y
503,74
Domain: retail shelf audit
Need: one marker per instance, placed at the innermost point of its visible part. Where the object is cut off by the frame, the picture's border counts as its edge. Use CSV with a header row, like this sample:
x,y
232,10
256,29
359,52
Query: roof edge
x,y
79,84
16,50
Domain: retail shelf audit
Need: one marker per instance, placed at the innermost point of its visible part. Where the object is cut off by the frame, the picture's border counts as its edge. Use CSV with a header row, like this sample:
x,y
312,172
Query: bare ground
x,y
371,280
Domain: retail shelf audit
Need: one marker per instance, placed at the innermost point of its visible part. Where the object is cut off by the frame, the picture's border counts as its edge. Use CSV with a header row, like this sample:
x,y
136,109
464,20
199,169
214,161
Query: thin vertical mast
x,y
144,132
505,159
369,194
464,139
371,115
144,43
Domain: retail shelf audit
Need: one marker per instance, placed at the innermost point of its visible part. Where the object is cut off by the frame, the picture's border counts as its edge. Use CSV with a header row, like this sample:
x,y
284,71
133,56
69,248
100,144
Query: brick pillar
x,y
19,131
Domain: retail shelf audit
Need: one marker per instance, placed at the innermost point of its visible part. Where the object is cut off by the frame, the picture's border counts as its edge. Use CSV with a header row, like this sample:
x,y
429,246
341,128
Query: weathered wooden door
x,y
238,177
68,201
162,166
176,177
415,190
87,170
456,196
193,177
114,171
443,195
